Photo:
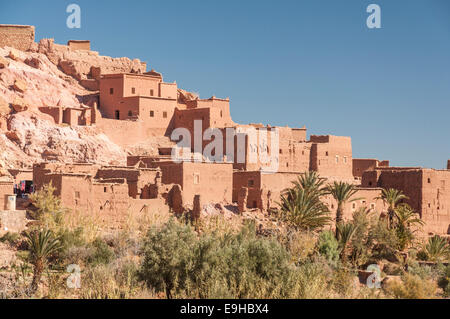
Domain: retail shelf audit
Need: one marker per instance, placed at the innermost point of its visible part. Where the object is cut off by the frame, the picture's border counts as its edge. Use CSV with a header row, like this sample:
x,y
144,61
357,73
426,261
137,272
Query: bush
x,y
301,245
10,238
309,281
444,281
48,206
328,246
167,257
212,266
102,254
412,287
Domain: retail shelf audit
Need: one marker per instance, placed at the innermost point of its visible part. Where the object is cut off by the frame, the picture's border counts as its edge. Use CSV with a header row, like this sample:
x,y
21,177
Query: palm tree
x,y
342,192
304,210
311,183
437,248
392,197
41,245
405,219
344,235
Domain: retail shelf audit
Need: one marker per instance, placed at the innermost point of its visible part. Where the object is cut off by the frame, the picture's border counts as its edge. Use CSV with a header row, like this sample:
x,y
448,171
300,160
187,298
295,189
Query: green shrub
x,y
102,253
328,246
167,257
231,266
444,281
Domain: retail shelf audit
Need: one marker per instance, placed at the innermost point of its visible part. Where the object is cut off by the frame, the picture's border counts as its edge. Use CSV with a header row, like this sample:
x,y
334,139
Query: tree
x,y
392,197
47,203
41,245
301,205
342,192
405,219
344,235
437,248
311,183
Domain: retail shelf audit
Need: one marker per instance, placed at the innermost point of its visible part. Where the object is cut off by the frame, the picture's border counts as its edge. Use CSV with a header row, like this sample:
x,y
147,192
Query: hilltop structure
x,y
130,105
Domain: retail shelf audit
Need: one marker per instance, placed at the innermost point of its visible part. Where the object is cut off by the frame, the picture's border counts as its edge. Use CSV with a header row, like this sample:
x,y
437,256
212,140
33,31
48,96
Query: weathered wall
x,y
368,198
79,45
360,165
6,188
331,157
427,191
19,175
20,37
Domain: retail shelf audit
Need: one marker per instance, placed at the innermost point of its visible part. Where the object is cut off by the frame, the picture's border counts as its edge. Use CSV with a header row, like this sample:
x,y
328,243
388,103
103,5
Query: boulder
x,y
3,63
14,55
20,86
33,62
19,105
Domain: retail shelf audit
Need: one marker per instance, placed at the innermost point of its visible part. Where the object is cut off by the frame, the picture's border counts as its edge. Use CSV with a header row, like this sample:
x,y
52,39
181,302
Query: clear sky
x,y
295,63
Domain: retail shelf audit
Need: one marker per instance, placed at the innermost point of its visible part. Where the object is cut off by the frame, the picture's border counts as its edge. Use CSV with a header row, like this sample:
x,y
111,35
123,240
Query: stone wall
x,y
20,37
79,45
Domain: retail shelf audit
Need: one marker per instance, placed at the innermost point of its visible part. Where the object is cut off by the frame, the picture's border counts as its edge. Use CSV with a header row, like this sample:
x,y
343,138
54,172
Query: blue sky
x,y
295,63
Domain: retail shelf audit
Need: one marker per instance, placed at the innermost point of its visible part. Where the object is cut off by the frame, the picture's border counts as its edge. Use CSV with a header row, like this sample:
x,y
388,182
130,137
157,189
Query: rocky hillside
x,y
51,75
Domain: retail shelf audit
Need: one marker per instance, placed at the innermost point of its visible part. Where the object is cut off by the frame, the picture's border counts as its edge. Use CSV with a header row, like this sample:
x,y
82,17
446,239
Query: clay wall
x,y
214,182
79,45
360,165
435,210
55,112
331,157
427,191
19,175
20,37
367,199
6,188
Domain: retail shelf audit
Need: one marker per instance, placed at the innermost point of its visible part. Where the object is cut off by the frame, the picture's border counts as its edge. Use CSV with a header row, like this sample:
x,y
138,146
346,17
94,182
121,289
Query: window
x,y
196,178
337,158
77,194
326,153
372,206
151,92
130,113
354,205
429,181
345,159
287,164
165,115
105,189
117,115
111,91
370,183
281,151
251,183
220,113
133,91
152,114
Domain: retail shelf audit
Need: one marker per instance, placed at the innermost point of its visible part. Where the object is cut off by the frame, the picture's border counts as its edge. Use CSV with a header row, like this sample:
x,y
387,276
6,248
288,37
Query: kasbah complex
x,y
130,105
